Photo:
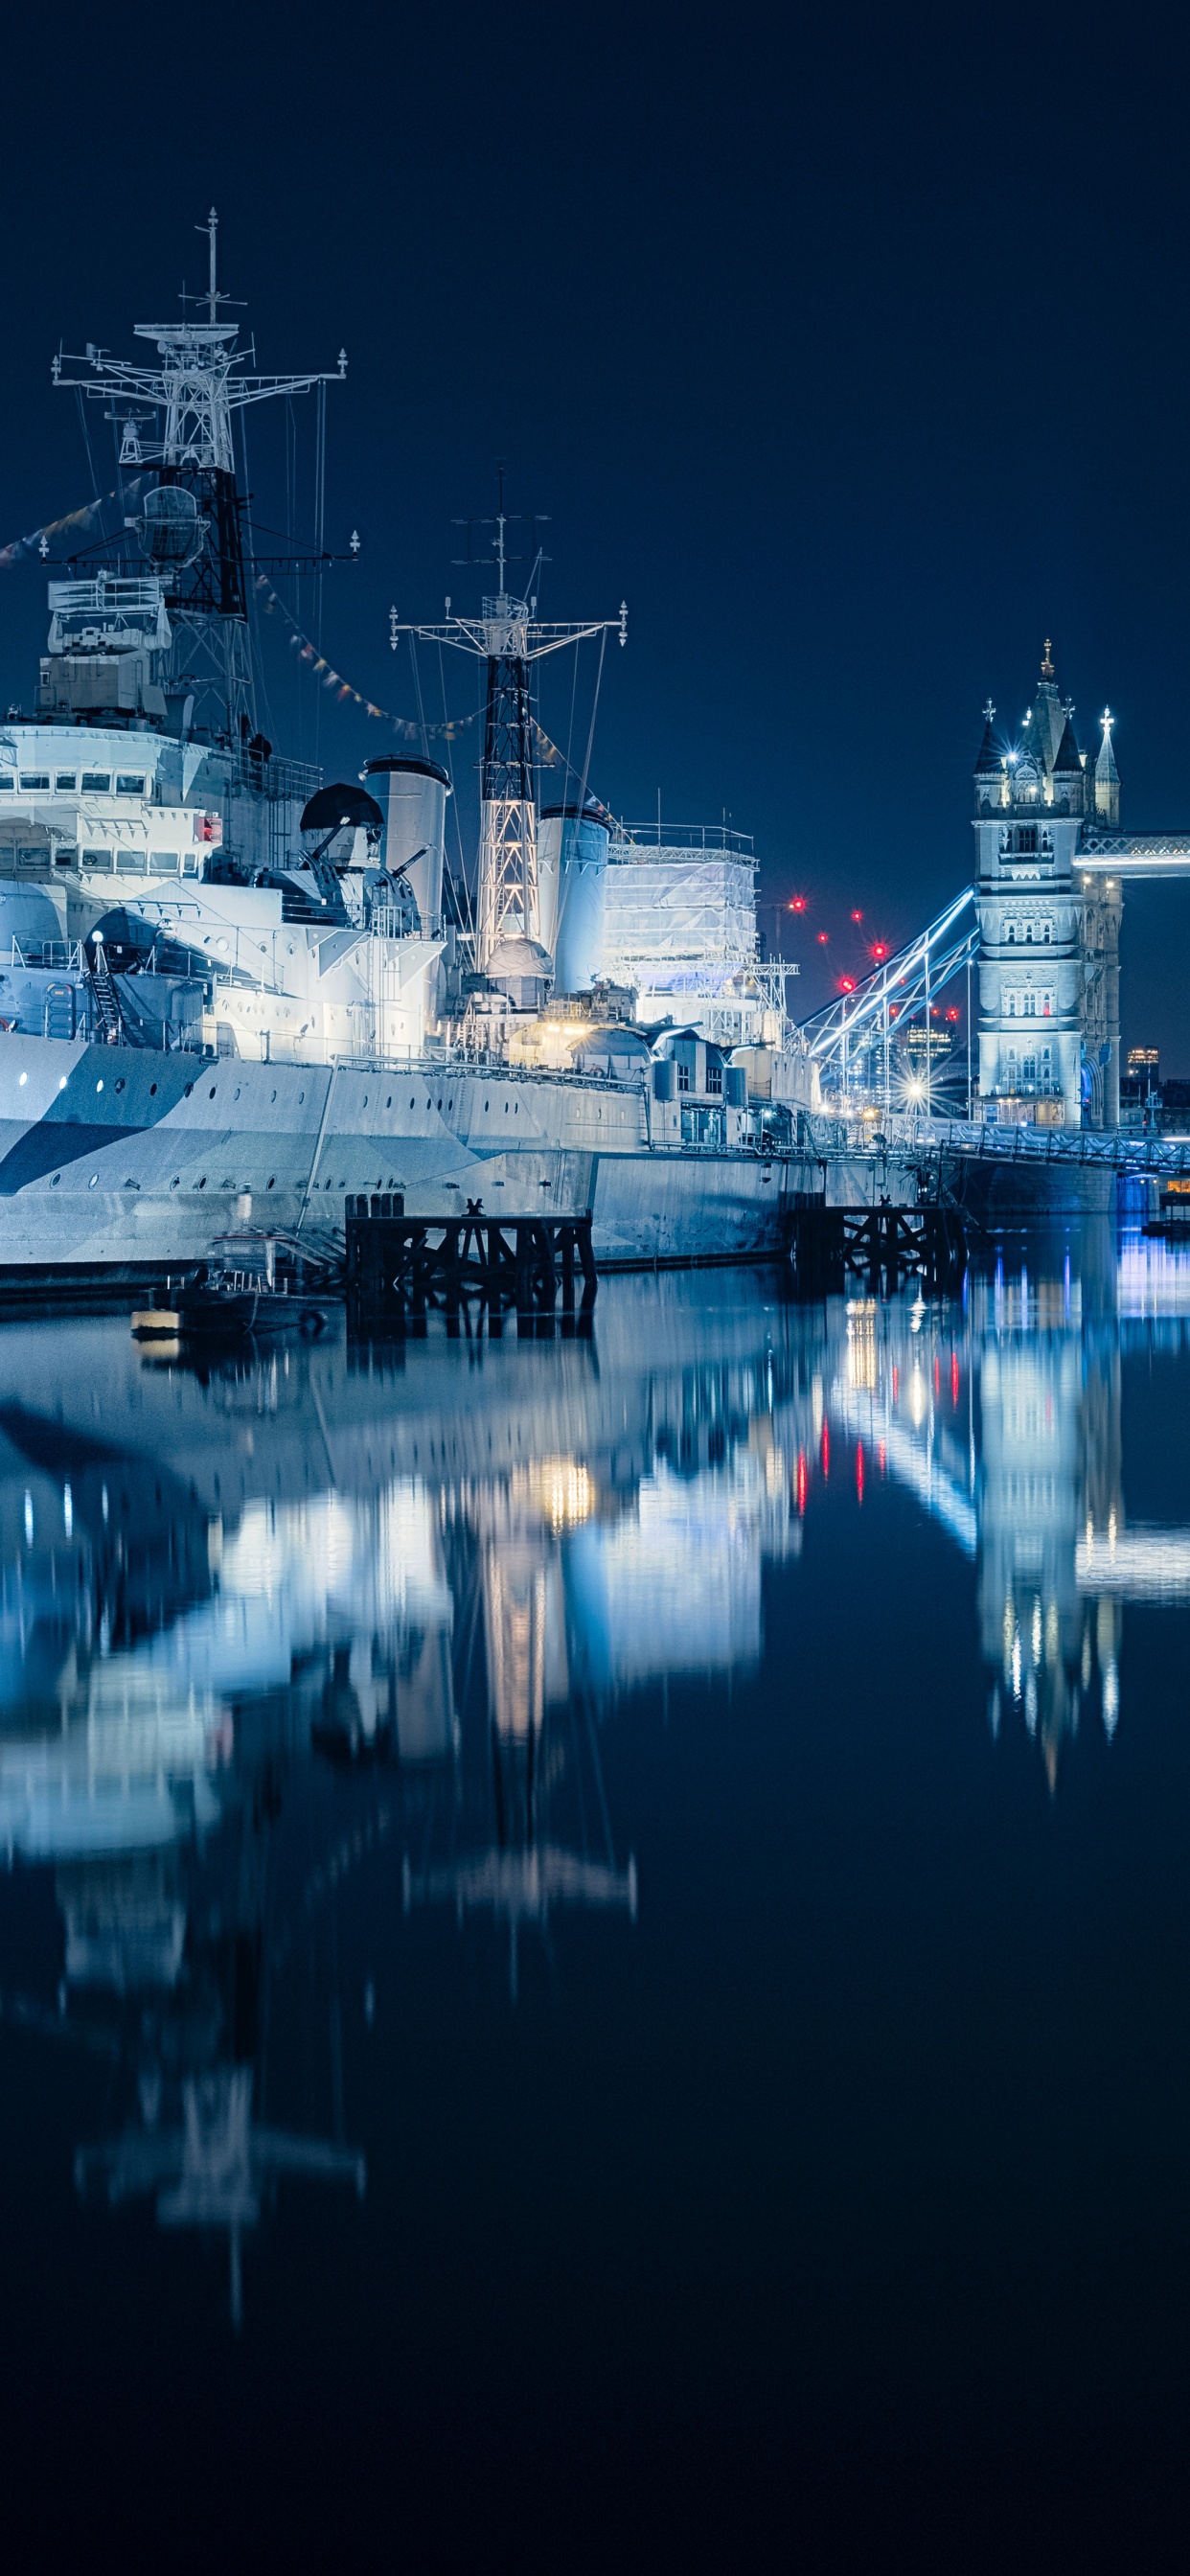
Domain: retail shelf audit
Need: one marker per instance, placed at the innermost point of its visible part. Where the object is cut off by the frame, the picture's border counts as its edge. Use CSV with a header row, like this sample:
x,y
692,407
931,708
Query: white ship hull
x,y
115,1158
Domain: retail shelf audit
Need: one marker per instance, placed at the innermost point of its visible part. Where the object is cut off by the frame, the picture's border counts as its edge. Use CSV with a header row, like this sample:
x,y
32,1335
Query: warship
x,y
233,992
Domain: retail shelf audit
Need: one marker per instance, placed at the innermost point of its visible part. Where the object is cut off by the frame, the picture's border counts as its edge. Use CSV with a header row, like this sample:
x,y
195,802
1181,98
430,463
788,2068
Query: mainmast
x,y
177,415
508,636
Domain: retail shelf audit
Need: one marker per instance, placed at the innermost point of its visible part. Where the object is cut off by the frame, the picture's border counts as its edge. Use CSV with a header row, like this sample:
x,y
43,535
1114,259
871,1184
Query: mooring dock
x,y
400,1264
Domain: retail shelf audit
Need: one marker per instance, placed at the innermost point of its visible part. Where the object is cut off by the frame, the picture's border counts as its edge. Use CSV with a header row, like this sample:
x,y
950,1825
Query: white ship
x,y
231,995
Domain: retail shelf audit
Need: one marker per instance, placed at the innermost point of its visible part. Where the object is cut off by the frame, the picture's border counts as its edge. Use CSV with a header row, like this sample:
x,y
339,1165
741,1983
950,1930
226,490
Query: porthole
x,y
449,1106
120,1084
236,1093
365,1099
54,1183
189,1088
91,1183
175,1181
203,1183
211,1092
440,1100
389,1102
506,1109
301,1097
272,1095
152,1091
413,1104
268,1184
98,1086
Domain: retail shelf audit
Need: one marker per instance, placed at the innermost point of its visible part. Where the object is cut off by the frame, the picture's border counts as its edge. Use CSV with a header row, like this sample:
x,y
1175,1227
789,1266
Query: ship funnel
x,y
414,794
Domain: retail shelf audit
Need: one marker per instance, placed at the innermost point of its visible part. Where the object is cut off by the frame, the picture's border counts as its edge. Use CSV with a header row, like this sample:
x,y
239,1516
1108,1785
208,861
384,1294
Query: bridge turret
x,y
1107,776
991,768
1068,778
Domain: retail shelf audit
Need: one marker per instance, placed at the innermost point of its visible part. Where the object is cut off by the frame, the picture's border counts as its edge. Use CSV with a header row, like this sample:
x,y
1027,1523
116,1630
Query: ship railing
x,y
641,837
281,781
62,956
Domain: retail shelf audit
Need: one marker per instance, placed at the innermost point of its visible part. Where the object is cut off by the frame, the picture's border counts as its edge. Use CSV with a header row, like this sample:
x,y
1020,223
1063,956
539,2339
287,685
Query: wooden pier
x,y
401,1266
830,1244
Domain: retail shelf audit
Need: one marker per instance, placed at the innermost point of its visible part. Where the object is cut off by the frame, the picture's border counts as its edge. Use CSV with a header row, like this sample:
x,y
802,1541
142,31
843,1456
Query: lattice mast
x,y
178,417
508,636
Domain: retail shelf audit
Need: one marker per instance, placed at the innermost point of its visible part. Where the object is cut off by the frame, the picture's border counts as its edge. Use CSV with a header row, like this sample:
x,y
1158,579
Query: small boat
x,y
228,1313
239,1296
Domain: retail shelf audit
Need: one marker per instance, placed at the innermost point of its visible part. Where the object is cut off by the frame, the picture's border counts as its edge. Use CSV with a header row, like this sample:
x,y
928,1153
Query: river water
x,y
594,1957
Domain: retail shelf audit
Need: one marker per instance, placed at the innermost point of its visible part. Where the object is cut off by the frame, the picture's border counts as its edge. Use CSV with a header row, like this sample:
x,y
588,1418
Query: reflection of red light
x,y
823,936
937,1376
954,1379
826,1450
801,1481
859,1470
847,983
896,1383
798,904
880,1457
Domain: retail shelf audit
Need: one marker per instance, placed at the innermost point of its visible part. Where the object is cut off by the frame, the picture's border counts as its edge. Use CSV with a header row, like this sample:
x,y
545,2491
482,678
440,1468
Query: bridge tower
x,y
1049,964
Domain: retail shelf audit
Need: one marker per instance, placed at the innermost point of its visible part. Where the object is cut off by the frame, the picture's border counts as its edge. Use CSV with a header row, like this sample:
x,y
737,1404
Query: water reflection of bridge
x,y
427,1574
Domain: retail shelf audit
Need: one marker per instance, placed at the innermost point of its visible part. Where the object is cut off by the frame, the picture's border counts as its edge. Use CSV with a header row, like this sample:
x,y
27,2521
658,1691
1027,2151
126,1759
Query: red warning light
x,y
823,937
952,1015
879,949
847,983
798,904
857,916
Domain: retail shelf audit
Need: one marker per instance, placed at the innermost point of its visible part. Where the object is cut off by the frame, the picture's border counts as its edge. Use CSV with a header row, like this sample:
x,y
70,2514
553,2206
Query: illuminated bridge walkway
x,y
863,1019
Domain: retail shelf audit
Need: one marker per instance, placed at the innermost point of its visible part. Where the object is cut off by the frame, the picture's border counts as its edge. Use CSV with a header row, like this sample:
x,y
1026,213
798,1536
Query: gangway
x,y
892,993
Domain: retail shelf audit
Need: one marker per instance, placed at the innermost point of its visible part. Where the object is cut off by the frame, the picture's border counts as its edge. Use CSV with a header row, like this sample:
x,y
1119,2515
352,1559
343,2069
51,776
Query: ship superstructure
x,y
231,991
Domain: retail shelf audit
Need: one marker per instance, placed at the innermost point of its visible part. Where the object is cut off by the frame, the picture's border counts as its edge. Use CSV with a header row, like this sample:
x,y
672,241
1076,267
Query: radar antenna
x,y
178,415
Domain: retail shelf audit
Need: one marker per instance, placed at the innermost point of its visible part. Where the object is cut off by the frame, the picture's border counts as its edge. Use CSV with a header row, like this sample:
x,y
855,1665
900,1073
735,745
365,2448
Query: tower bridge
x,y
1038,925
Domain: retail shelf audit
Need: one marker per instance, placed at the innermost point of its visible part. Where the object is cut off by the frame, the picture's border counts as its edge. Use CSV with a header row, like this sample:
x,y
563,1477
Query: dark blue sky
x,y
851,351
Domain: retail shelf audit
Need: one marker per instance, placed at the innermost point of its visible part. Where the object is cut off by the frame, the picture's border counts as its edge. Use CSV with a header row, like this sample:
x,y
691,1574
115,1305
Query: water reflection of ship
x,y
432,1576
176,1952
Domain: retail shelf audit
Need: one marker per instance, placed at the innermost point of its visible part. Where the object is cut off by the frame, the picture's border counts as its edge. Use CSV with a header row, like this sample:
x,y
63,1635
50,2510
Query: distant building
x,y
1143,1065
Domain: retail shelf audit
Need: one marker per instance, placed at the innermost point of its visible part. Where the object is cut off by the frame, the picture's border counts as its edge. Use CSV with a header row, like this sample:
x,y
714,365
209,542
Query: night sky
x,y
851,351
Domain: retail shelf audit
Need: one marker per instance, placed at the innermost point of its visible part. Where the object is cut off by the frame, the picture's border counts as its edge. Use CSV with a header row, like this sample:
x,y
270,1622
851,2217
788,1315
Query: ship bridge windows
x,y
7,782
35,782
128,784
96,782
64,782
